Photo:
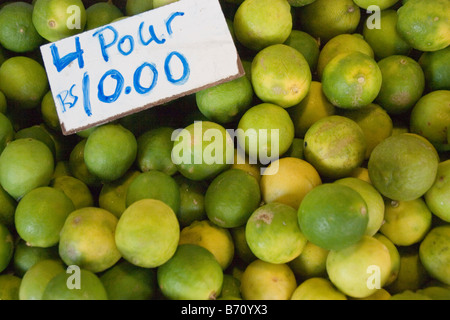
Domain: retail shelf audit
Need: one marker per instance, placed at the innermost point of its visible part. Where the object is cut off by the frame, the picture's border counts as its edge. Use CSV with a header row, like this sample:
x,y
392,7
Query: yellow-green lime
x,y
160,3
37,278
296,149
288,180
41,214
267,281
9,286
242,162
435,293
192,200
87,239
280,75
382,4
261,23
403,84
49,113
438,196
7,133
361,269
100,14
403,167
307,45
134,7
3,102
78,167
125,281
333,216
380,294
7,208
311,262
6,247
434,253
230,288
351,80
436,70
300,3
215,239
317,289
192,273
75,189
312,108
231,198
147,233
335,146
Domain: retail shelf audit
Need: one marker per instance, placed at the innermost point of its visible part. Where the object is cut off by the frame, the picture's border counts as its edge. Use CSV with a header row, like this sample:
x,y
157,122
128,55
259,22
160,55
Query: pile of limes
x,y
322,174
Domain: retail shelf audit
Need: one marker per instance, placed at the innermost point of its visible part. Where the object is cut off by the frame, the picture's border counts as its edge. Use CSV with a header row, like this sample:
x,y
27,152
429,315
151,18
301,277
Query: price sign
x,y
138,62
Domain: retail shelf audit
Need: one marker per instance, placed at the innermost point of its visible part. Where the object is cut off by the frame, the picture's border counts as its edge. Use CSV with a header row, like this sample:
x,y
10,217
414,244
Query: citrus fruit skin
x,y
7,133
147,233
18,33
280,75
333,216
91,288
394,254
403,166
436,69
9,287
261,23
273,234
425,25
335,146
75,189
26,256
7,208
317,289
6,247
51,18
25,164
300,3
351,80
134,7
311,263
430,116
191,274
437,197
78,167
88,239
382,4
307,45
241,247
434,253
231,198
110,151
40,216
267,281
288,180
192,200
403,84
101,13
349,268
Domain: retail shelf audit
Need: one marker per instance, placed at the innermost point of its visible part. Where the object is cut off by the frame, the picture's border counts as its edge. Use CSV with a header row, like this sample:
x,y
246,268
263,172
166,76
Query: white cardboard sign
x,y
139,62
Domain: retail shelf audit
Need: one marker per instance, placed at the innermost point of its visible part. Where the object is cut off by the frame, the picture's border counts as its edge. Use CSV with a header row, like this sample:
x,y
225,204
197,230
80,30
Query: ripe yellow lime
x,y
317,289
242,162
361,173
288,180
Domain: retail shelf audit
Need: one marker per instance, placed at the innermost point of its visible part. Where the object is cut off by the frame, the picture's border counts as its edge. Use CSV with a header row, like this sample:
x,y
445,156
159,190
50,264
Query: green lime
x,y
296,149
7,133
202,150
333,216
7,208
307,45
273,233
261,23
110,151
125,281
317,289
154,184
147,233
26,256
58,19
324,19
40,216
384,38
225,102
231,198
230,288
434,253
361,269
312,108
160,3
373,199
9,287
37,278
403,84
265,132
25,164
342,43
154,148
3,102
48,112
403,167
382,4
192,273
435,293
216,239
75,189
113,195
263,280
436,197
409,295
100,14
311,263
6,247
37,132
430,117
134,7
288,180
242,250
17,32
300,3
436,69
79,284
351,80
87,239
424,25
280,75
23,81
335,146
78,167
192,200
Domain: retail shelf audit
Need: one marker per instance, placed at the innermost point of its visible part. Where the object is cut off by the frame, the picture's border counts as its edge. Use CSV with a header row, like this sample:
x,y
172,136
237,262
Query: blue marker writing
x,y
116,75
61,63
186,70
101,39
